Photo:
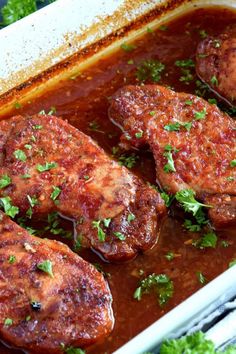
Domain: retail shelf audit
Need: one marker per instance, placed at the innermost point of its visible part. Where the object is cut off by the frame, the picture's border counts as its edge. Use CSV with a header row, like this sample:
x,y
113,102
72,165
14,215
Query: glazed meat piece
x,y
216,64
193,143
51,166
50,298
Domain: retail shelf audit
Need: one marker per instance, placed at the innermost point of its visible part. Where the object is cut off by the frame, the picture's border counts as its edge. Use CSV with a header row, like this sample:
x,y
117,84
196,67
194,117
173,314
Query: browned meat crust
x,y
203,152
80,182
216,63
46,313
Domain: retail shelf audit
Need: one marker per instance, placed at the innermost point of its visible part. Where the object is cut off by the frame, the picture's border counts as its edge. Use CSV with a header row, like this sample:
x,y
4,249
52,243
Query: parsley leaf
x,y
169,166
20,155
8,322
161,283
233,163
150,69
200,115
120,236
201,277
46,267
206,241
128,47
188,63
186,198
101,233
168,199
177,126
14,10
46,167
9,209
56,192
5,180
72,350
128,161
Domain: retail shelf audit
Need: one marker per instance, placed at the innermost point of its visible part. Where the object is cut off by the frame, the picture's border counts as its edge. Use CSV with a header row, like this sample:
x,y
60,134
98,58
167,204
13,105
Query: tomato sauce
x,y
83,100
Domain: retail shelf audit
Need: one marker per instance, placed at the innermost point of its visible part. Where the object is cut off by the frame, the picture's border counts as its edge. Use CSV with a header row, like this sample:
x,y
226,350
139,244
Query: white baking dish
x,y
57,32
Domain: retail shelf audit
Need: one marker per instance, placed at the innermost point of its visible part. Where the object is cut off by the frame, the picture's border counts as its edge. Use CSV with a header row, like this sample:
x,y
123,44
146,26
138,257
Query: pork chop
x,y
193,143
50,298
216,63
52,166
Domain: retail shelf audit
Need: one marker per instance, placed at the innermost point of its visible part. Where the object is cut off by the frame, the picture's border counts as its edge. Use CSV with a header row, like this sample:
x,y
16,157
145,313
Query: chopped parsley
x,y
169,256
32,200
128,47
20,155
120,236
72,350
139,134
203,34
130,217
177,126
188,63
106,222
28,146
128,161
101,234
169,166
186,76
56,192
14,10
233,163
37,126
11,259
9,209
160,283
200,115
46,167
201,278
8,322
163,28
195,343
168,199
188,224
5,180
232,263
187,200
150,69
214,80
46,267
208,240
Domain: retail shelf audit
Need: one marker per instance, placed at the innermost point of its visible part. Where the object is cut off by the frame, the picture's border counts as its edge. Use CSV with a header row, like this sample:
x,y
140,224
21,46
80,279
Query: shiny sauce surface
x,y
83,100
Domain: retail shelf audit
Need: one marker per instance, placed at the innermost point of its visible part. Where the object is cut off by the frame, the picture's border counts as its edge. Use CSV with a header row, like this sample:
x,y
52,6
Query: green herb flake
x,y
139,134
46,167
72,350
168,198
106,222
208,240
177,126
201,278
188,102
46,267
195,343
28,146
200,115
188,63
9,209
152,113
101,234
5,180
163,28
25,176
37,127
15,10
169,256
224,243
32,200
130,62
160,283
120,236
150,69
12,259
128,161
17,105
186,76
188,224
8,322
131,217
214,80
56,192
20,155
232,263
212,100
186,197
203,34
169,166
233,163
28,318
128,47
